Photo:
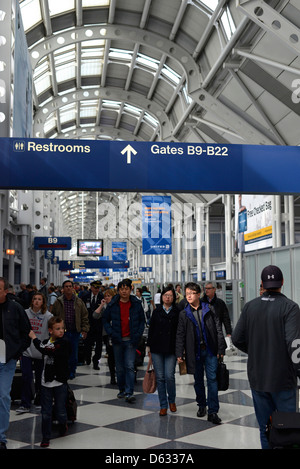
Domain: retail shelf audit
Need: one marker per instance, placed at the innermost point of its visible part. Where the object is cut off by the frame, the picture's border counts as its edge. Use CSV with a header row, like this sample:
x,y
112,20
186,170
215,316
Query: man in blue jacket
x,y
124,322
200,338
14,339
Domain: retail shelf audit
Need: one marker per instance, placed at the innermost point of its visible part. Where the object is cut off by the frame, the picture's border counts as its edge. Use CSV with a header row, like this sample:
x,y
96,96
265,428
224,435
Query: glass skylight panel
x,y
88,111
120,54
65,72
212,4
91,67
31,13
42,83
67,116
147,61
170,74
132,110
58,7
50,124
111,104
228,24
148,118
95,3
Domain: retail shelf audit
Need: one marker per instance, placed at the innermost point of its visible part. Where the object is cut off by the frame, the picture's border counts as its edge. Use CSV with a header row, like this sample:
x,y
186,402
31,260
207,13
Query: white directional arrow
x,y
129,150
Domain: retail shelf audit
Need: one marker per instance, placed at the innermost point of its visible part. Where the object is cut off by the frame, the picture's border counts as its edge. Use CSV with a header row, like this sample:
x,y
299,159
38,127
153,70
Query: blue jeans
x,y
59,395
74,340
7,372
264,405
125,354
164,366
209,363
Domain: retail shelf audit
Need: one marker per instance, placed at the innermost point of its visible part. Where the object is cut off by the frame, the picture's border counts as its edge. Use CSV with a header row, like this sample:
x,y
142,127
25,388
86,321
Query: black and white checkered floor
x,y
105,422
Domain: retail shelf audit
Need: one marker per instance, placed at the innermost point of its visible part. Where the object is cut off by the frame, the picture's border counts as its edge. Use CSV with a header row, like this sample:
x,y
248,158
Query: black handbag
x,y
283,430
222,376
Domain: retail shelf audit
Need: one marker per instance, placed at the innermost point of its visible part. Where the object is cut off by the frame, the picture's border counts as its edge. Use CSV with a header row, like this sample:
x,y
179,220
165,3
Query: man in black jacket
x,y
200,338
14,330
221,311
268,330
94,336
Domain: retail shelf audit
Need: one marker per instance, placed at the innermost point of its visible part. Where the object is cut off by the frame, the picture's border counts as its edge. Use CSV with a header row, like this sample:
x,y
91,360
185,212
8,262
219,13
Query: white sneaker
x,y
22,410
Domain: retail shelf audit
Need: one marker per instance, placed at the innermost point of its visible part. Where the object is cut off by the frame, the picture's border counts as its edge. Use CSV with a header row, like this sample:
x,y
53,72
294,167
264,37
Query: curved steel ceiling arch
x,y
117,94
96,132
119,32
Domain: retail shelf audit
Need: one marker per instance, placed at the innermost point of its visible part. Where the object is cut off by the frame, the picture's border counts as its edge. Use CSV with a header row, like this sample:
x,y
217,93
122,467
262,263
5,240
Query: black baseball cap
x,y
272,277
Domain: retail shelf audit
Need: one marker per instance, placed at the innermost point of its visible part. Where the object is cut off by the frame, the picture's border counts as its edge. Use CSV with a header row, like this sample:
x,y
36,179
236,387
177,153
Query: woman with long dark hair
x,y
161,340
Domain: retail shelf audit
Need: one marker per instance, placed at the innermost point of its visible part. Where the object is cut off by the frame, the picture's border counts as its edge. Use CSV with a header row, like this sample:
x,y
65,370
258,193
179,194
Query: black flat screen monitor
x,y
89,247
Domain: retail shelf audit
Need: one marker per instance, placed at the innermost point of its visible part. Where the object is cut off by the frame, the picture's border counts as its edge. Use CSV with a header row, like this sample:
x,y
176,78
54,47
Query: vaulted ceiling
x,y
224,71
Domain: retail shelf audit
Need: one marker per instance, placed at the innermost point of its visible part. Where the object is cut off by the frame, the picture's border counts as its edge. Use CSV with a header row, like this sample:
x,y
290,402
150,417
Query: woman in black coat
x,y
161,340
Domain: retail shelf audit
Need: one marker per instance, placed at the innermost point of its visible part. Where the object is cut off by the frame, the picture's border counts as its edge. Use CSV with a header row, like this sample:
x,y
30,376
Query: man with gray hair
x,y
221,310
268,330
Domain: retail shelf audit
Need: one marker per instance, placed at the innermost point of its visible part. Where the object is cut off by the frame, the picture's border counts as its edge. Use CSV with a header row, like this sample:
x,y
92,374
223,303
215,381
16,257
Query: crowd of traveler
x,y
46,332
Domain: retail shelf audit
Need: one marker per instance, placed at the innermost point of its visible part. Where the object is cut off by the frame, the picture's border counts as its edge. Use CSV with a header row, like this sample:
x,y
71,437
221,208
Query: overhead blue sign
x,y
148,166
52,243
103,264
145,269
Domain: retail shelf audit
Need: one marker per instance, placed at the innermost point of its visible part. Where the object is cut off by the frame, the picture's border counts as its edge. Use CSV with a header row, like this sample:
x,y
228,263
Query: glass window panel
x,y
50,124
65,72
42,83
58,7
31,13
67,116
212,4
95,3
91,67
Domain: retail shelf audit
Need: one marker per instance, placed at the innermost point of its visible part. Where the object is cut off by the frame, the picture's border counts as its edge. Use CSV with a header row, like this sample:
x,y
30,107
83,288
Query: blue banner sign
x,y
72,265
119,250
148,166
52,243
156,225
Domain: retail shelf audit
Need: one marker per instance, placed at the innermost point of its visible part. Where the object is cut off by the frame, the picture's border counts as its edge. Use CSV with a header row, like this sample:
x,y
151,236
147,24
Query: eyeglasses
x,y
192,293
168,296
209,288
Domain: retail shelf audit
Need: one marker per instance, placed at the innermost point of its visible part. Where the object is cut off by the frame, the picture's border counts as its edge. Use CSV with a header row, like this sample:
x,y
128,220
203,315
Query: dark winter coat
x,y
162,330
268,330
16,327
187,338
221,311
111,319
59,351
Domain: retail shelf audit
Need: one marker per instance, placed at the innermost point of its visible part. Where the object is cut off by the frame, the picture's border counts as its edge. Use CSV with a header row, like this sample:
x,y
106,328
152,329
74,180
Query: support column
x,y
25,257
207,244
199,235
228,236
276,227
6,60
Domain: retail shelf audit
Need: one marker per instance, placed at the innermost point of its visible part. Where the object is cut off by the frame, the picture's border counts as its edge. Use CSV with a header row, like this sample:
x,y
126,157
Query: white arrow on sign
x,y
129,150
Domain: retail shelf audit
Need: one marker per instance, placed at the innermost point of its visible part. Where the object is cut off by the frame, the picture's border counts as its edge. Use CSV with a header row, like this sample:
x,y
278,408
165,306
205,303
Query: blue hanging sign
x,y
156,225
148,166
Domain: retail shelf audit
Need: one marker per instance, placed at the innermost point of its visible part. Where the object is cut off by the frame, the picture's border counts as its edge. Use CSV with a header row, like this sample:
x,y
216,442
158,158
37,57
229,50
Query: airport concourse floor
x,y
106,422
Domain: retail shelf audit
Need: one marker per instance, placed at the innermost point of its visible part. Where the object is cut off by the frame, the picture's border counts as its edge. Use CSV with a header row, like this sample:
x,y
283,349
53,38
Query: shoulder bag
x,y
149,382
